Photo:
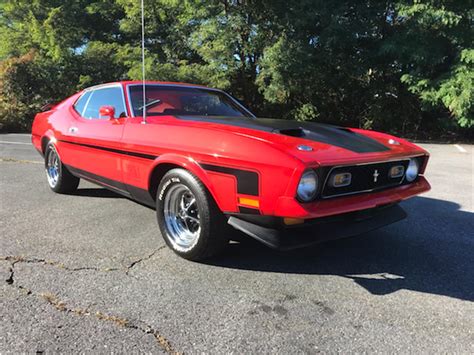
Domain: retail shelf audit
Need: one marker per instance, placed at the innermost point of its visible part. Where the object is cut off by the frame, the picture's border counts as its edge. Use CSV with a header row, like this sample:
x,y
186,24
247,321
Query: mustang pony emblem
x,y
376,175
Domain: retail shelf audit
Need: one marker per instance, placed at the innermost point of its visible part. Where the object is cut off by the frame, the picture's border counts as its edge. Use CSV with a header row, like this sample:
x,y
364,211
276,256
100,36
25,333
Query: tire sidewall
x,y
172,178
50,149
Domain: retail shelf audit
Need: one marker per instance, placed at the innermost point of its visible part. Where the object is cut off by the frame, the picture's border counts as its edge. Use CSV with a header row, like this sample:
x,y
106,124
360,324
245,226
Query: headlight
x,y
412,170
308,186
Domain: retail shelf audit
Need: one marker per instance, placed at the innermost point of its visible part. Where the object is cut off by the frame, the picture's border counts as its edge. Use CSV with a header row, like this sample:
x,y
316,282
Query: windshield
x,y
164,100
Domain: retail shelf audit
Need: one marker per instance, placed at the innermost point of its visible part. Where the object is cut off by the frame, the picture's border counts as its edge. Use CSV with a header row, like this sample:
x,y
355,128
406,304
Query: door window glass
x,y
111,96
81,103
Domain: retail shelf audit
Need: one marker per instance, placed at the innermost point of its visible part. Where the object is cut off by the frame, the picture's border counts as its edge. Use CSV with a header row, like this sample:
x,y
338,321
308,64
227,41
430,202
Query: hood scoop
x,y
333,135
344,129
292,132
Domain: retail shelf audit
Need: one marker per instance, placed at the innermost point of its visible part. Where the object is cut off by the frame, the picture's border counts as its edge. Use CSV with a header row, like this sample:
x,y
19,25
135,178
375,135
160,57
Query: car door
x,y
93,142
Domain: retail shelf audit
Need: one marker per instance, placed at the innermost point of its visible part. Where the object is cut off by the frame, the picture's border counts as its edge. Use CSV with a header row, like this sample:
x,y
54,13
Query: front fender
x,y
184,162
219,194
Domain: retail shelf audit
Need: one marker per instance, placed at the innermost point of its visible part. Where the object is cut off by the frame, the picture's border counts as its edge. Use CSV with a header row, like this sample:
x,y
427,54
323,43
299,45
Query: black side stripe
x,y
113,150
247,181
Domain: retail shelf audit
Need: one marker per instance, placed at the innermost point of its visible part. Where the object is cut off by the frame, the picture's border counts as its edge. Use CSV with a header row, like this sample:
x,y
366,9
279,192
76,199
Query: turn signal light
x,y
396,171
341,179
249,202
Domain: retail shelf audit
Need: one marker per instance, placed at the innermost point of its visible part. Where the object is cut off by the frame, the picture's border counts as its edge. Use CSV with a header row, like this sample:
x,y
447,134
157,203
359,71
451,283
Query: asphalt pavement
x,y
89,272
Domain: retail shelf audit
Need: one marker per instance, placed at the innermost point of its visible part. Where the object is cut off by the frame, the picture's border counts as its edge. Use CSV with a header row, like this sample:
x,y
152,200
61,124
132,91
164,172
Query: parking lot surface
x,y
90,272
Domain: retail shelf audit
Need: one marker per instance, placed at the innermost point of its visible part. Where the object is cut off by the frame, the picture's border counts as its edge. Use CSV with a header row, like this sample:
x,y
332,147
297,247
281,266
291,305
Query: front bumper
x,y
290,207
320,229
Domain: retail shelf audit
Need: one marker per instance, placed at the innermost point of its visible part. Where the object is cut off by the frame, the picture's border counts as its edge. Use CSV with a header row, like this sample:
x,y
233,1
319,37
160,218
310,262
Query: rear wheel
x,y
189,220
59,178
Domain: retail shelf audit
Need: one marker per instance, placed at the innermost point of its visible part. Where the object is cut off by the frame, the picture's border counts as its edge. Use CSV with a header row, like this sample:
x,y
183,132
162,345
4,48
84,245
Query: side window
x,y
111,96
81,103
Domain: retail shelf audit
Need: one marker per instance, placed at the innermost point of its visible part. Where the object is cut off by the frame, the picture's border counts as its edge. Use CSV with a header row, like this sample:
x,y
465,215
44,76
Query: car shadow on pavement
x,y
104,193
432,251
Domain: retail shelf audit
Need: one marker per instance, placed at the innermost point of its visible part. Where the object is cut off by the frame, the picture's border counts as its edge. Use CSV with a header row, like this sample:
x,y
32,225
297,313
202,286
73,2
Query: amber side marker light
x,y
292,221
249,202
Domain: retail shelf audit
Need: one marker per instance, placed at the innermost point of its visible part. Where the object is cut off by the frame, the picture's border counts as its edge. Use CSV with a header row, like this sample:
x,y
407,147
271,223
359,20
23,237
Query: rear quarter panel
x,y
52,125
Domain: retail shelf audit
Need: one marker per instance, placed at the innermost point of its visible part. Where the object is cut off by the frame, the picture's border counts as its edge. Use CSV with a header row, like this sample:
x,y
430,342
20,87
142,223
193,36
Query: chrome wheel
x,y
182,217
52,168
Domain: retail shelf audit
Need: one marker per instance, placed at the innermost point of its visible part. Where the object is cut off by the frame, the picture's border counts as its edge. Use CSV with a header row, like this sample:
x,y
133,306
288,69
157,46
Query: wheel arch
x,y
46,138
44,142
166,162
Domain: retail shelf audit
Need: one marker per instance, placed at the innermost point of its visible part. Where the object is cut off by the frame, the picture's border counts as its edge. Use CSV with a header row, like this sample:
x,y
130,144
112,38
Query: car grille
x,y
365,178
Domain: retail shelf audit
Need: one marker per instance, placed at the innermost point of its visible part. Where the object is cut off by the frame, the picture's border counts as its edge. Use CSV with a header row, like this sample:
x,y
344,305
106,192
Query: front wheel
x,y
59,178
190,222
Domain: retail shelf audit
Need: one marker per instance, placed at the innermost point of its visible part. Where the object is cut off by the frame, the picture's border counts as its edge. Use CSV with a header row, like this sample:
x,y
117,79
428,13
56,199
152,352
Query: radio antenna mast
x,y
143,63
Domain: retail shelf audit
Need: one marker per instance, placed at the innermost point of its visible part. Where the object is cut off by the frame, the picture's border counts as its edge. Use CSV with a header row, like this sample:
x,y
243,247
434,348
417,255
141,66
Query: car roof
x,y
139,82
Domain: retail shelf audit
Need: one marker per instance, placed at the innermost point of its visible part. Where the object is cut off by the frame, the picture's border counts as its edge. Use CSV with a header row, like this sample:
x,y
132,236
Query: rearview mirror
x,y
107,111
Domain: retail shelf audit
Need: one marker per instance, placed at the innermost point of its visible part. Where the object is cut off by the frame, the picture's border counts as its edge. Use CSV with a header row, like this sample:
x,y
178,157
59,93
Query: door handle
x,y
73,129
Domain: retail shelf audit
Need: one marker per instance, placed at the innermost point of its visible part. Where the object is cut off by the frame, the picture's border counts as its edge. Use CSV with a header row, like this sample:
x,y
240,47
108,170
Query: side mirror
x,y
107,111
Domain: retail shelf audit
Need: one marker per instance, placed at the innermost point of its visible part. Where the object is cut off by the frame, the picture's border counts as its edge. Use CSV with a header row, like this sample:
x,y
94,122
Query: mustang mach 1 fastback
x,y
206,163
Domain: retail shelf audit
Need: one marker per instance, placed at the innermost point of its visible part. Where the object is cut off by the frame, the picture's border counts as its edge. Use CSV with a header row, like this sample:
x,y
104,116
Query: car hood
x,y
325,140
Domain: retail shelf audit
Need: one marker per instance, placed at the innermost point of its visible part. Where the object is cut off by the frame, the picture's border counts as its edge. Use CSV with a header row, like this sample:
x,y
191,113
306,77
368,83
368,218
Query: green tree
x,y
398,66
25,86
434,44
47,52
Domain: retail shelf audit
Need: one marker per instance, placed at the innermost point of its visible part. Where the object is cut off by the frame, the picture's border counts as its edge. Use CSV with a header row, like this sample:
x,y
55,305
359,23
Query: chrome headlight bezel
x,y
413,170
308,186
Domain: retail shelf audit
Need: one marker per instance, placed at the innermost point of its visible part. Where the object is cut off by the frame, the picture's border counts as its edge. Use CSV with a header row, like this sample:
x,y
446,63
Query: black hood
x,y
318,132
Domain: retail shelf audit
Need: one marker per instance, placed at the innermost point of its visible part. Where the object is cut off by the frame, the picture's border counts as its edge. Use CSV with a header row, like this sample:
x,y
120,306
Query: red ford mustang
x,y
206,163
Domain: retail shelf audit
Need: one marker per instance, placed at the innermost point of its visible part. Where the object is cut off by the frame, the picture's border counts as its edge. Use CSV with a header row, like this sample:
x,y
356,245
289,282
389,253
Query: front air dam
x,y
320,229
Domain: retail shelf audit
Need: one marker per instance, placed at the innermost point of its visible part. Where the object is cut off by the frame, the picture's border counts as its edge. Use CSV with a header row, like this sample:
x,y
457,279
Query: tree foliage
x,y
400,66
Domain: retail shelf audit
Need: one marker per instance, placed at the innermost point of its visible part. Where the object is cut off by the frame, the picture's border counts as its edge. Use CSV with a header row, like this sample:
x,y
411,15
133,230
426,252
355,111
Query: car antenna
x,y
143,63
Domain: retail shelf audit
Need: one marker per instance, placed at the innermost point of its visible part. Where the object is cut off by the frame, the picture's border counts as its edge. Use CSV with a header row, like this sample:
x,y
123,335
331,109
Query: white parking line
x,y
22,143
17,134
461,149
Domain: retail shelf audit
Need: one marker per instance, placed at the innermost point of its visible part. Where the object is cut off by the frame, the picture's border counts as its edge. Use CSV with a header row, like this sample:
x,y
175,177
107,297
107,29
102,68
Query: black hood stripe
x,y
317,132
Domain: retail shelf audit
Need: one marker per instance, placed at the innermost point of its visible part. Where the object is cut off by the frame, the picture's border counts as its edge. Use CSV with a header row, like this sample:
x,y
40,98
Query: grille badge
x,y
376,175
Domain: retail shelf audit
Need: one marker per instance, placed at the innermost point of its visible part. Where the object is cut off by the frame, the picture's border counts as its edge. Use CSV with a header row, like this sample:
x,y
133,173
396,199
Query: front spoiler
x,y
321,229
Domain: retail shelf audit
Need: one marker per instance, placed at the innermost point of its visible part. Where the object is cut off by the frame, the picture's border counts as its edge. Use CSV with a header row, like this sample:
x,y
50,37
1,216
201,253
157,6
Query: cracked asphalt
x,y
90,273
